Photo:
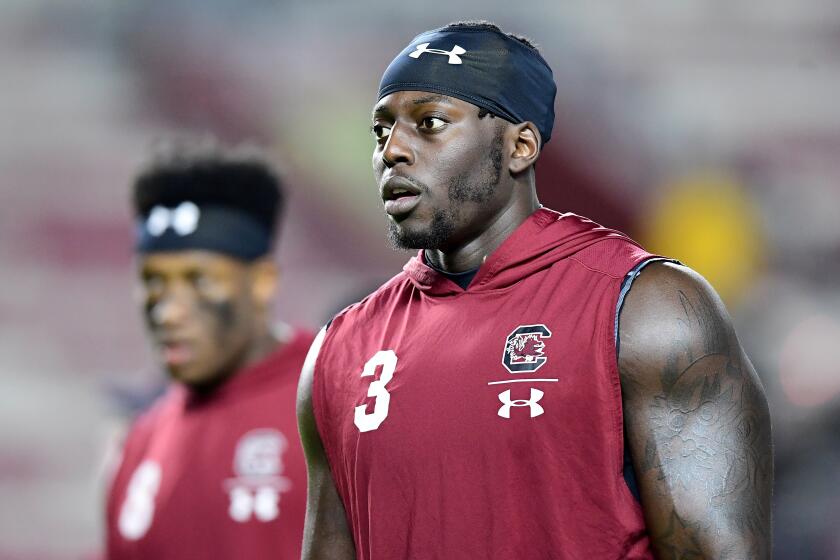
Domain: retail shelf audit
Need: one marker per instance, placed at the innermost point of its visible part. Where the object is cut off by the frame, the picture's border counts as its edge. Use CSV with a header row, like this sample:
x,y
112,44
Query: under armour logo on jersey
x,y
453,54
262,503
507,403
524,348
183,219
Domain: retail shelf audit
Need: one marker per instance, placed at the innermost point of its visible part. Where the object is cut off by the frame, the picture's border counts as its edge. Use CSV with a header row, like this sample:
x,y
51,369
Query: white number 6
x,y
367,422
138,509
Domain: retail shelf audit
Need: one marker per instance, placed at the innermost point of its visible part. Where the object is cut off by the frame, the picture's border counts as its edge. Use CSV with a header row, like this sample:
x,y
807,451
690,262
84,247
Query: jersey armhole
x,y
320,402
626,284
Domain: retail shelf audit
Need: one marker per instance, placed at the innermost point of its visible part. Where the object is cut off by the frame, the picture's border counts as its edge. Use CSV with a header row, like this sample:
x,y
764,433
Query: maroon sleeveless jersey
x,y
220,476
486,422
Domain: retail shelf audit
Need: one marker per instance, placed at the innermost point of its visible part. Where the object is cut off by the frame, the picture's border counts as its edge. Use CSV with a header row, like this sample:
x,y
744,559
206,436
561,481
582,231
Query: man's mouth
x,y
176,353
400,195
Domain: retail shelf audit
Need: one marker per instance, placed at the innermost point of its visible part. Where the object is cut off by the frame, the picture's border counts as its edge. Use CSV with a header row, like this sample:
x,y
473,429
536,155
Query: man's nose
x,y
169,311
398,147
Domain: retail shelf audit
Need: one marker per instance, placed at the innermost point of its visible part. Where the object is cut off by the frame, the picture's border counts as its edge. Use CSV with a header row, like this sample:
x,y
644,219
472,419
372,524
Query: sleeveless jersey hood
x,y
542,240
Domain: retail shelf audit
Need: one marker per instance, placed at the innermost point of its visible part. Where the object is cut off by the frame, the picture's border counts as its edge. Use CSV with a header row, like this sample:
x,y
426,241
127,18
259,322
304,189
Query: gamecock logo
x,y
524,348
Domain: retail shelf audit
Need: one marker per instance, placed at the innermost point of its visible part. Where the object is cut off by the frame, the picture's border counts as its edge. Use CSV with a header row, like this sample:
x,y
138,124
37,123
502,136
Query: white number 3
x,y
367,422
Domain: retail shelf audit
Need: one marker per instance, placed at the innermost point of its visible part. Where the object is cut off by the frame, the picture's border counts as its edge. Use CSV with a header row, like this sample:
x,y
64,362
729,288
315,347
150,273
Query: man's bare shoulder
x,y
671,313
696,418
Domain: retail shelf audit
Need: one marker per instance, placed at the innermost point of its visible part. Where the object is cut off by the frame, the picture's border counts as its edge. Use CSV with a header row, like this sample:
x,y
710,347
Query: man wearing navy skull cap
x,y
507,395
214,468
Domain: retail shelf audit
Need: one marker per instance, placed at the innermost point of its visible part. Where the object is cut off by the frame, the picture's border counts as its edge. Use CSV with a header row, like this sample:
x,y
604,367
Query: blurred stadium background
x,y
709,131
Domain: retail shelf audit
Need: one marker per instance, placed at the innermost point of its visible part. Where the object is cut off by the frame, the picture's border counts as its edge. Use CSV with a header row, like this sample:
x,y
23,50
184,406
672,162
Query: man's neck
x,y
472,254
264,344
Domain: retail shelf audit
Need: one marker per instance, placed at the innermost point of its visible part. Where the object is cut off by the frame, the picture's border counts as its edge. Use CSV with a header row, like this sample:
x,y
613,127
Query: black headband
x,y
213,228
481,66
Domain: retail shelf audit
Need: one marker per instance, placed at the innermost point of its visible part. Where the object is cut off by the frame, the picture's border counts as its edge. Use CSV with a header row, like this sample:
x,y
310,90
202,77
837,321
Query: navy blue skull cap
x,y
479,65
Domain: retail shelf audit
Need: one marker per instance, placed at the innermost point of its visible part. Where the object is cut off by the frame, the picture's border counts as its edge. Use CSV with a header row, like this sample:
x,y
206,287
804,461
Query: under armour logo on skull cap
x,y
183,219
453,54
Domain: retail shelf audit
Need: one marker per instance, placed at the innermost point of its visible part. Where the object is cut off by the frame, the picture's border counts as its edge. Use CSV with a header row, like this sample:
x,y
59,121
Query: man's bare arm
x,y
325,533
697,420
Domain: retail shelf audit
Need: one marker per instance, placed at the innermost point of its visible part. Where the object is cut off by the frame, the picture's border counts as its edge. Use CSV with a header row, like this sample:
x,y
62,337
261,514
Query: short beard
x,y
460,190
443,224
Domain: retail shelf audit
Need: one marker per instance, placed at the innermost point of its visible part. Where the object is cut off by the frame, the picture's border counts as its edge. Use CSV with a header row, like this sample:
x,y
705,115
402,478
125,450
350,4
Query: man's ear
x,y
265,276
526,146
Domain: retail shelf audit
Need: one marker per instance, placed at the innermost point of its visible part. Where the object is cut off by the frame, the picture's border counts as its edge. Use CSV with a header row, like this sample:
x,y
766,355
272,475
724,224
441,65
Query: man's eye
x,y
380,132
200,281
153,284
432,123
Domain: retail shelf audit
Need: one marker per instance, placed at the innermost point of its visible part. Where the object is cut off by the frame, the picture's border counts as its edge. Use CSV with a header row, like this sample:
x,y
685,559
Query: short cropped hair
x,y
207,173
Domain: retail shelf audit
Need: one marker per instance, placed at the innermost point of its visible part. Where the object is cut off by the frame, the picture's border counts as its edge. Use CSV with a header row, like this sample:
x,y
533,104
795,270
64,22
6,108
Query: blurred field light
x,y
708,221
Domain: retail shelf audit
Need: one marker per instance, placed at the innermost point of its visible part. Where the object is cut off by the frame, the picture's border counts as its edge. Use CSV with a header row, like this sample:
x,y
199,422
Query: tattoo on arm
x,y
700,433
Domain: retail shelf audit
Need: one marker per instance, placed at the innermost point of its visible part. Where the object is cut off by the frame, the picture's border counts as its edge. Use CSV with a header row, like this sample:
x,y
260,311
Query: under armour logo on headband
x,y
453,54
183,219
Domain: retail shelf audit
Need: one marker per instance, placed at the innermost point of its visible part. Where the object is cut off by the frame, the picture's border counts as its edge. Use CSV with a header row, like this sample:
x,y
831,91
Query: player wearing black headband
x,y
214,469
478,404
